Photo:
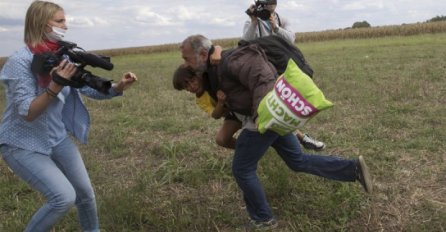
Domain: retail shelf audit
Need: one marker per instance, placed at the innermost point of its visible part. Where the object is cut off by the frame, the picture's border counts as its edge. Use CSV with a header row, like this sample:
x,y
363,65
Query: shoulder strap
x,y
279,51
260,29
278,19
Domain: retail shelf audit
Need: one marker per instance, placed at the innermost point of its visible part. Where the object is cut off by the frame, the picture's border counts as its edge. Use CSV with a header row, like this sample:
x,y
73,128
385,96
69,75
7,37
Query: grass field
x,y
155,166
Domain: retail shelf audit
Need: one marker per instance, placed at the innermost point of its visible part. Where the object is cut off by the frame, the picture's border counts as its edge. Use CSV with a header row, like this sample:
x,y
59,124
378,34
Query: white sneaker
x,y
309,143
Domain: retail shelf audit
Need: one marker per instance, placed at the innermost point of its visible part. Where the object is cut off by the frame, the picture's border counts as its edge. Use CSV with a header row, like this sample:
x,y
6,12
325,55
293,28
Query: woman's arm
x,y
282,30
126,81
116,90
41,102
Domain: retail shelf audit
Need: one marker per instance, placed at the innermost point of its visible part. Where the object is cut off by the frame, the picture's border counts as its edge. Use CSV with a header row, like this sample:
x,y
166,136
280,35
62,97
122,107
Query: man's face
x,y
271,7
195,61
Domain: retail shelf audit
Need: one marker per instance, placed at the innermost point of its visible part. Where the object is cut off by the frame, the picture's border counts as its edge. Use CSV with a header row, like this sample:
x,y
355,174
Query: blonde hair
x,y
37,17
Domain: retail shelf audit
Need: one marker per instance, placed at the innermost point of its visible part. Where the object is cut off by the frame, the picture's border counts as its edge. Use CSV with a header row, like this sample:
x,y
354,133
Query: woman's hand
x,y
126,81
65,70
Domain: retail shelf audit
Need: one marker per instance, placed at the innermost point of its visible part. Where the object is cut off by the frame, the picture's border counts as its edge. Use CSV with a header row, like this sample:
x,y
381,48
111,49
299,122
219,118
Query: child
x,y
185,78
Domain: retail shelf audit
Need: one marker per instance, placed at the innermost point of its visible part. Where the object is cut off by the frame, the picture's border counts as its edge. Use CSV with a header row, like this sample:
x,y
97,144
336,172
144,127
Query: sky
x,y
106,24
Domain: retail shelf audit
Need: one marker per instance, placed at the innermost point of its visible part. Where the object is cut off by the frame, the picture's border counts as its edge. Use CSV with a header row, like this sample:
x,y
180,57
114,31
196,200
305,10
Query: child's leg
x,y
299,135
225,136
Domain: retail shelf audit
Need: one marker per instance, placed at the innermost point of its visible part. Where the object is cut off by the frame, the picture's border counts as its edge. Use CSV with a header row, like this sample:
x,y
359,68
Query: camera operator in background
x,y
266,21
39,118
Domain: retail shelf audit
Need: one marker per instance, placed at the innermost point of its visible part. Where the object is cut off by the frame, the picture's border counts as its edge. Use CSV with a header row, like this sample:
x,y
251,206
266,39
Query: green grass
x,y
155,166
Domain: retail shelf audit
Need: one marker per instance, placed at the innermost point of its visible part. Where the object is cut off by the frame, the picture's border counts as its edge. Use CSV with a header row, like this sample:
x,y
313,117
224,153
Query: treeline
x,y
373,32
437,19
433,26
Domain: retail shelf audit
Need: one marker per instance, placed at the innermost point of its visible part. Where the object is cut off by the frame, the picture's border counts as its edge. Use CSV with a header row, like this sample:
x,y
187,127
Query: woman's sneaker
x,y
262,225
309,143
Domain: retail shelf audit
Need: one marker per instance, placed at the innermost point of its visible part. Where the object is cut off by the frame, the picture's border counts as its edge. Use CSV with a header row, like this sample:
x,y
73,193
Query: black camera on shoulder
x,y
43,63
260,11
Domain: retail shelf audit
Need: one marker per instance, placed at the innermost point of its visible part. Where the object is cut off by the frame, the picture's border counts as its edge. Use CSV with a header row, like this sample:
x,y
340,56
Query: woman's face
x,y
58,20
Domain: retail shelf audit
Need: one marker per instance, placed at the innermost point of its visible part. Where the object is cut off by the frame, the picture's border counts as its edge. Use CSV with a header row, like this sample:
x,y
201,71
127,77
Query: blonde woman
x,y
39,117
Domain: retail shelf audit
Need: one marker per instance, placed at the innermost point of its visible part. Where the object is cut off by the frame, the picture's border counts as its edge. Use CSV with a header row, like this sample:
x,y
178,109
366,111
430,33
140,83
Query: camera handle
x,y
65,82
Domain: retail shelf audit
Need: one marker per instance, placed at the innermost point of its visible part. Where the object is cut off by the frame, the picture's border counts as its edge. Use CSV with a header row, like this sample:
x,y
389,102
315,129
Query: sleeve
x,y
249,31
284,32
92,93
20,83
255,73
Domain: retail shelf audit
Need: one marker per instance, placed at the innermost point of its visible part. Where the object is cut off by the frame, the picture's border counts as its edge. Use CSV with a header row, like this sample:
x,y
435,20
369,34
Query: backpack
x,y
278,51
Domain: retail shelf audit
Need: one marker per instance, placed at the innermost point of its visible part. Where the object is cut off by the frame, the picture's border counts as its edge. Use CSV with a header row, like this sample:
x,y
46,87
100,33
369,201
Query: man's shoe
x,y
262,225
309,143
363,175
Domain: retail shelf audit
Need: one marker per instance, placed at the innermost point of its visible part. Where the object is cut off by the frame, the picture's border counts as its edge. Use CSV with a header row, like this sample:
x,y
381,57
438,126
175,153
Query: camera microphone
x,y
96,60
84,57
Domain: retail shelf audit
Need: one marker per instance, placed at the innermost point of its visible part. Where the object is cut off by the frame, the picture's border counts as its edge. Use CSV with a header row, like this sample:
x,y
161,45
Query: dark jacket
x,y
210,78
245,76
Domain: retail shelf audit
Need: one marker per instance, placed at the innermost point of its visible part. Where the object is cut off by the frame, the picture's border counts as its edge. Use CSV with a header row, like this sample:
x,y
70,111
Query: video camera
x,y
260,11
43,63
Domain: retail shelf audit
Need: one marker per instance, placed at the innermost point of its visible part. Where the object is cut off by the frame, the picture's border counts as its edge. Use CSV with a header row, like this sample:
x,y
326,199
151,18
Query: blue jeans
x,y
250,148
62,179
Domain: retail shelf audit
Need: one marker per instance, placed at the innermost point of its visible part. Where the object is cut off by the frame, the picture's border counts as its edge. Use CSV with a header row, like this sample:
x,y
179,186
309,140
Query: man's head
x,y
267,2
195,50
269,5
262,9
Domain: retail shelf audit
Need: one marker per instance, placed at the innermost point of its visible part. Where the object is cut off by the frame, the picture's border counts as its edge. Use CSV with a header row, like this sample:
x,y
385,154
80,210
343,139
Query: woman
x,y
40,114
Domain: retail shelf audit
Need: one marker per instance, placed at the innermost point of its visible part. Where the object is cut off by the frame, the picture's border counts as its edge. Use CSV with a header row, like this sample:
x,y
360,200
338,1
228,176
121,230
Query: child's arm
x,y
220,109
216,55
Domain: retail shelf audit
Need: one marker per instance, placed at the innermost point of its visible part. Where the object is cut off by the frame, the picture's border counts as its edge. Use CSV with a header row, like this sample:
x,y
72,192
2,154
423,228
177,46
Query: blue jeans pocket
x,y
7,150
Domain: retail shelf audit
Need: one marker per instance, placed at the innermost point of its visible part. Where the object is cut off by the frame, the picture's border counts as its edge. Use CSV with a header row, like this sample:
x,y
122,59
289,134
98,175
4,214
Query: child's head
x,y
185,78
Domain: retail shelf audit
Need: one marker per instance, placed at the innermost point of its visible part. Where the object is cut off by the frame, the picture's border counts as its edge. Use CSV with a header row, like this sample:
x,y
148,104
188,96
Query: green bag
x,y
294,100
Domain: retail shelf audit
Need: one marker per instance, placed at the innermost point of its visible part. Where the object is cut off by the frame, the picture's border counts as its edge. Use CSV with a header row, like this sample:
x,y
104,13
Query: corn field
x,y
348,33
373,32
